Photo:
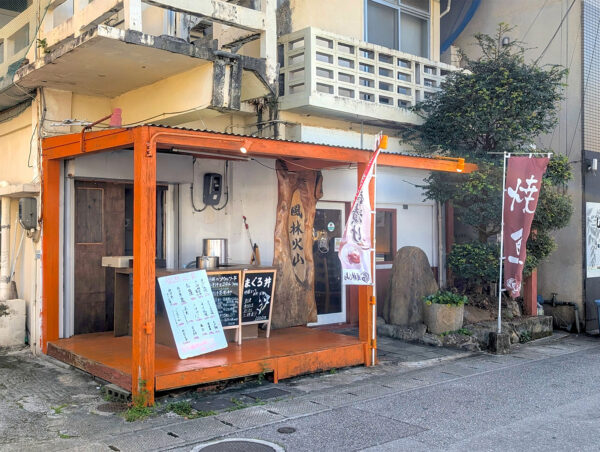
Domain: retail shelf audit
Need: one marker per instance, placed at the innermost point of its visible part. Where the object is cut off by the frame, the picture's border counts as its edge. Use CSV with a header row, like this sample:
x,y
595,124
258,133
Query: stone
x,y
499,343
514,338
512,309
413,332
411,280
473,314
441,318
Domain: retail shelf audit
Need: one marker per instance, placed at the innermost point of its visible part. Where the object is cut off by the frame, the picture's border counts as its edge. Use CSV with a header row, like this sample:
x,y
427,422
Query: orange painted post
x,y
144,254
50,250
530,294
366,297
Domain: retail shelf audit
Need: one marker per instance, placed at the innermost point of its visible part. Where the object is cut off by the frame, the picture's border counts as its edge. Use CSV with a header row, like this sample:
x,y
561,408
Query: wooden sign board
x,y
297,236
226,291
257,297
192,313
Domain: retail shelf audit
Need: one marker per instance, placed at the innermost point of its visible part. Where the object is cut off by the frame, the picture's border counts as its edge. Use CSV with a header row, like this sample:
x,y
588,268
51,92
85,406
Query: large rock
x,y
412,279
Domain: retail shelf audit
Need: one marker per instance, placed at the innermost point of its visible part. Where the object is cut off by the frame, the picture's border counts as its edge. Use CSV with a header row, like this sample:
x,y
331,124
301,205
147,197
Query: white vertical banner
x,y
356,245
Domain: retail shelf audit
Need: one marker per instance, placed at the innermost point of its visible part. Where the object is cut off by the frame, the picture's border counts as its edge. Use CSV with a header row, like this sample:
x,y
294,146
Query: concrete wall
x,y
563,271
343,17
15,137
253,193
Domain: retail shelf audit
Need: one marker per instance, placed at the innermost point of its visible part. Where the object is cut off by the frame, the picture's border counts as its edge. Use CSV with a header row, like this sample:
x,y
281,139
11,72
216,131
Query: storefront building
x,y
322,78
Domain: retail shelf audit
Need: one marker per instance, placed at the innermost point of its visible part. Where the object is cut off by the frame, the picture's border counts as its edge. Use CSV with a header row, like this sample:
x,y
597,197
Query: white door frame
x,y
335,317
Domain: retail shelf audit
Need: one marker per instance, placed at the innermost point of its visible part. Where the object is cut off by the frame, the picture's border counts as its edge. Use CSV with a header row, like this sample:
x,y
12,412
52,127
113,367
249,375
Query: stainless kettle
x,y
207,262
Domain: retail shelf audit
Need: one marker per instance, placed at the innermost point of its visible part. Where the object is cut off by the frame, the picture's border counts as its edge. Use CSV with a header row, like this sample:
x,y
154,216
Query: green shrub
x,y
445,297
474,263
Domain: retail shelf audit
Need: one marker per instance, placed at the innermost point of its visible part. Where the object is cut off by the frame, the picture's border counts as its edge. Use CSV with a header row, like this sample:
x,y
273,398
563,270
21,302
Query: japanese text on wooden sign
x,y
192,313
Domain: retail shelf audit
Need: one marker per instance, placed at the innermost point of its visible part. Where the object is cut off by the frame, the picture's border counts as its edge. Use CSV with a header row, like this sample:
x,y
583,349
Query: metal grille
x,y
591,75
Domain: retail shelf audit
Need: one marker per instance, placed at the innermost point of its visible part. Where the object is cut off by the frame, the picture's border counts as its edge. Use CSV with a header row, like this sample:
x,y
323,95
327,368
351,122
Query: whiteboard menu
x,y
192,313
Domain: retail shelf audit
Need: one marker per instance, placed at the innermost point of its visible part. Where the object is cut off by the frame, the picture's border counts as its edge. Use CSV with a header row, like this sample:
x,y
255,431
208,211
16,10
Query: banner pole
x,y
374,268
505,157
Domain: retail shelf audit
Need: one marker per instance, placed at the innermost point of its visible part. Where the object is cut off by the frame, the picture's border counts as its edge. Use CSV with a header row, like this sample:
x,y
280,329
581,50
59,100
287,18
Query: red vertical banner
x,y
522,190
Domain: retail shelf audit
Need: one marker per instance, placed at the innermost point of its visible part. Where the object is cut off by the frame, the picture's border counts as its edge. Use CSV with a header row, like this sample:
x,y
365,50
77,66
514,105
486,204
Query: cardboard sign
x,y
192,313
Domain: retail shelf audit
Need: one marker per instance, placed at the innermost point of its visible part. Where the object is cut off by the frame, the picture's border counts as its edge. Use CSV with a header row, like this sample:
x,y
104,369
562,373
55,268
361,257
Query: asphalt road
x,y
542,397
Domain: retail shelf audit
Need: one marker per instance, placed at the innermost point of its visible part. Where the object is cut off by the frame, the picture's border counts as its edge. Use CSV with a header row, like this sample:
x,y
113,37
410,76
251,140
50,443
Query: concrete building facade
x,y
333,72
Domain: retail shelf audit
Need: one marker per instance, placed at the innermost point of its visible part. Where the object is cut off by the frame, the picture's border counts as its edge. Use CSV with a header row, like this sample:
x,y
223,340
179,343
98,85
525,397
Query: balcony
x,y
326,74
110,47
14,42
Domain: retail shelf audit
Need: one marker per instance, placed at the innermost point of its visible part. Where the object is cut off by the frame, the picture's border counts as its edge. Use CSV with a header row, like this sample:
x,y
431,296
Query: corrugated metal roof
x,y
189,129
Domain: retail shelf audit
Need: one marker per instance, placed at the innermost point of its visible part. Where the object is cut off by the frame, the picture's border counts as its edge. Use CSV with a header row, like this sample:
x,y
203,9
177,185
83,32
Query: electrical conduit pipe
x,y
4,249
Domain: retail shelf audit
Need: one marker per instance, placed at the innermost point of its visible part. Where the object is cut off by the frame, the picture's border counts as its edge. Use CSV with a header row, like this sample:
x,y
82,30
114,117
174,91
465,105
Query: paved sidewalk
x,y
45,406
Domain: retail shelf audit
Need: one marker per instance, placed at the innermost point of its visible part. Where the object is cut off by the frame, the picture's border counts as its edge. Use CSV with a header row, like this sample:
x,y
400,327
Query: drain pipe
x,y
5,247
554,302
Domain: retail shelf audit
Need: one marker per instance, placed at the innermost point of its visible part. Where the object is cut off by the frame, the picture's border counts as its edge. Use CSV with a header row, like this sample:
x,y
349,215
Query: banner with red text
x,y
356,244
523,185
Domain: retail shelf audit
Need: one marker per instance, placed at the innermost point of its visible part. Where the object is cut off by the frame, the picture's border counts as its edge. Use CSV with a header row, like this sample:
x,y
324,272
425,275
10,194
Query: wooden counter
x,y
124,295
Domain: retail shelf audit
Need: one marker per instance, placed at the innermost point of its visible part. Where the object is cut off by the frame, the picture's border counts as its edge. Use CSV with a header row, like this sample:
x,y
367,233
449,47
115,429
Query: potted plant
x,y
443,311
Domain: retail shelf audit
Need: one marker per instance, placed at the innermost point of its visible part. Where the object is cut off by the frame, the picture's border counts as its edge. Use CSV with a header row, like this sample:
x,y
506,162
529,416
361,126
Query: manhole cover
x,y
112,407
265,394
286,430
239,445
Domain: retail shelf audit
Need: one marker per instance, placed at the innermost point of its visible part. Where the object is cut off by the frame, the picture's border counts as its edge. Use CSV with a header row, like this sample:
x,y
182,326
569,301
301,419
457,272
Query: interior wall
x,y
252,192
396,189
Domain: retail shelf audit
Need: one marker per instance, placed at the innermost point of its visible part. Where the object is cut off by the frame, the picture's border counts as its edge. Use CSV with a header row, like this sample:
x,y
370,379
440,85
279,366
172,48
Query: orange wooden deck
x,y
287,353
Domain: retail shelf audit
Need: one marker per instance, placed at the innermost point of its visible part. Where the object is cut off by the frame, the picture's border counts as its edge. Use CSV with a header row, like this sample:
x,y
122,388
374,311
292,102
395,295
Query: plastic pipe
x,y
5,249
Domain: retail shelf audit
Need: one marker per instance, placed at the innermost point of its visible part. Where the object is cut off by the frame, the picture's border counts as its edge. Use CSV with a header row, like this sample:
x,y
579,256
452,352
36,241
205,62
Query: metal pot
x,y
215,247
207,262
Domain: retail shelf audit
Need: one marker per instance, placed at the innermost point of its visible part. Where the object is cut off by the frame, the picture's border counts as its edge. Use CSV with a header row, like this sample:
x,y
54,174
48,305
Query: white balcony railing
x,y
326,71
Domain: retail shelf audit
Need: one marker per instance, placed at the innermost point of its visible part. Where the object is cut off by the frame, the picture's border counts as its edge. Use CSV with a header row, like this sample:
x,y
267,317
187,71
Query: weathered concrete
x,y
12,326
499,343
411,280
441,318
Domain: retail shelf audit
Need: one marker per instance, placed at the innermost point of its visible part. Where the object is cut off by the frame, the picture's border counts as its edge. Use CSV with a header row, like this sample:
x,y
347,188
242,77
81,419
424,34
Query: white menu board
x,y
593,239
192,313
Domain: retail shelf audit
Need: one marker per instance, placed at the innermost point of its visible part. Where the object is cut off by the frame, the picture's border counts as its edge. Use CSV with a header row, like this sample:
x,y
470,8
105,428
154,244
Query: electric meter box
x,y
28,213
212,189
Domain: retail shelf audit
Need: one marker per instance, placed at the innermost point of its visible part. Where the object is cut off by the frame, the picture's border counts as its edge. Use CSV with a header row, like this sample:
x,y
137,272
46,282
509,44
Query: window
x,y
385,224
398,24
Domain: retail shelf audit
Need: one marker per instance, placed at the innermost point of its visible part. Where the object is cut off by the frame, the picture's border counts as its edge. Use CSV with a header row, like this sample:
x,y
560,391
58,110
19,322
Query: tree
x,y
498,103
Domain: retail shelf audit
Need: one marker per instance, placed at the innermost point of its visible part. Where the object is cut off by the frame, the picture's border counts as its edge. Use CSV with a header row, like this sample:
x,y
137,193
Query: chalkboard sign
x,y
257,299
226,291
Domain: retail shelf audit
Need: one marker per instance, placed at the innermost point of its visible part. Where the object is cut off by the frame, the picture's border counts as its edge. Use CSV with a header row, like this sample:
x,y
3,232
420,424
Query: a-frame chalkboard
x,y
258,290
227,292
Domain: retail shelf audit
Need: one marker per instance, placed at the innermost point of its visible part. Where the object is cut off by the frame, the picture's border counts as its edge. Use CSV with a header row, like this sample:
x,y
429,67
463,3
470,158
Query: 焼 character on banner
x,y
355,247
523,185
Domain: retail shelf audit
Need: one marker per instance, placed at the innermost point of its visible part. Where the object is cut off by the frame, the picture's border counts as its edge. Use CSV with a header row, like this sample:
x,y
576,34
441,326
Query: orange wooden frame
x,y
145,140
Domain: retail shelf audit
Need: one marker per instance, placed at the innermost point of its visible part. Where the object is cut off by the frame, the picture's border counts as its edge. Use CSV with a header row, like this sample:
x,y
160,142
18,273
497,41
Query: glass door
x,y
330,294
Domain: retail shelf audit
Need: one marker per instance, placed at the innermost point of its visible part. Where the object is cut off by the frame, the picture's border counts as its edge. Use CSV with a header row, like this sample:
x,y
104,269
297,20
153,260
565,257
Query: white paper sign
x,y
192,313
593,239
